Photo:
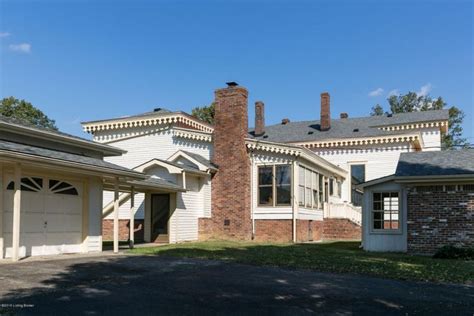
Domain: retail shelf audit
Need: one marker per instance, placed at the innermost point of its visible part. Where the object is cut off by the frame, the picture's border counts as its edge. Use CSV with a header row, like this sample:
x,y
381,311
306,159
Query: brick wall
x,y
281,230
124,224
340,228
231,184
436,219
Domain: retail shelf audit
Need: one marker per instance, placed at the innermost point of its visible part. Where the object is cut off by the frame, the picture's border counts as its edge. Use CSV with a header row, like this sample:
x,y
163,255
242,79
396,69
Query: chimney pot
x,y
232,84
325,123
344,115
285,121
259,118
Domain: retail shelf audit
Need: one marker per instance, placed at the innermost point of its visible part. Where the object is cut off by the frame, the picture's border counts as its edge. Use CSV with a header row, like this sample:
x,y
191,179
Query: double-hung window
x,y
274,185
386,211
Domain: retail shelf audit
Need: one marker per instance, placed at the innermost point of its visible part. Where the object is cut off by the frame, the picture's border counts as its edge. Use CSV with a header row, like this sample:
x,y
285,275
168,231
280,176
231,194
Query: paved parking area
x,y
143,285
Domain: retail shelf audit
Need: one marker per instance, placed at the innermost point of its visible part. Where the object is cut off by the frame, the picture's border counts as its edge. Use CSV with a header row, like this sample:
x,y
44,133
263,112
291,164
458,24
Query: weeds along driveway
x,y
141,285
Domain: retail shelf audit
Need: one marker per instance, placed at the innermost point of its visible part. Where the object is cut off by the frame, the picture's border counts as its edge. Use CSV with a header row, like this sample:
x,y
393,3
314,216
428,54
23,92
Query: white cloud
x,y
20,48
393,92
376,92
4,34
424,90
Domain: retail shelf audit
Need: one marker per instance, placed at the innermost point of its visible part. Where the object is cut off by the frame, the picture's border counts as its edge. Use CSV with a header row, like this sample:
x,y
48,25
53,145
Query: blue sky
x,y
85,60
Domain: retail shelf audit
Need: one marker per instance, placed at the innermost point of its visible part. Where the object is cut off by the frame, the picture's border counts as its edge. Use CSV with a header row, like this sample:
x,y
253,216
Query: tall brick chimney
x,y
259,118
230,189
325,112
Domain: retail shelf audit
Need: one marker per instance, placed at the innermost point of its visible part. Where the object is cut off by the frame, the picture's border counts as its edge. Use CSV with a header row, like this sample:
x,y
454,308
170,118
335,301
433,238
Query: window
x,y
339,188
274,185
309,192
301,186
283,185
385,211
59,187
265,186
357,177
30,184
331,187
321,191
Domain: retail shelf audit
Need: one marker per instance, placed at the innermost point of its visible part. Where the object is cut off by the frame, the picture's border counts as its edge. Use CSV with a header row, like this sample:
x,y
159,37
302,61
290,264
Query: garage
x,y
51,220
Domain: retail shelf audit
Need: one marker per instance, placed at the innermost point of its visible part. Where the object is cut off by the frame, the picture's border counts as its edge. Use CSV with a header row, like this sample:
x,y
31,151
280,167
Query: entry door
x,y
160,211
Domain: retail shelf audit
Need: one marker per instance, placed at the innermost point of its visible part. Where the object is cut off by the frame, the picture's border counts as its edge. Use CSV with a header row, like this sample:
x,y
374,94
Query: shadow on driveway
x,y
143,285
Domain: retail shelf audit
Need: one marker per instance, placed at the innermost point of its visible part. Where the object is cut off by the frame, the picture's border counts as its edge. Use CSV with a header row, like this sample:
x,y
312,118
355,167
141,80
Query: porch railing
x,y
344,210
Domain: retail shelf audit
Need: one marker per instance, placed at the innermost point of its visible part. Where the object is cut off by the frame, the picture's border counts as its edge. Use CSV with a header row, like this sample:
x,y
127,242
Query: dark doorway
x,y
160,213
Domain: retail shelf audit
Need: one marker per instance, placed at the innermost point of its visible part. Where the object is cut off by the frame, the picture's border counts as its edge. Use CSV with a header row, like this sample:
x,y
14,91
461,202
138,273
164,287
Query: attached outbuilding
x,y
51,188
428,203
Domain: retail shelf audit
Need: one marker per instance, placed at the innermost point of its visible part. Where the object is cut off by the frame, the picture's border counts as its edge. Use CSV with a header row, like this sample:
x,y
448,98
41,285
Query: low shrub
x,y
453,252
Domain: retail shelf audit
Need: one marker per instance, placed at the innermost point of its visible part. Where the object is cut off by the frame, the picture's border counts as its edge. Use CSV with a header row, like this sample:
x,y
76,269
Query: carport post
x,y
16,213
132,217
116,216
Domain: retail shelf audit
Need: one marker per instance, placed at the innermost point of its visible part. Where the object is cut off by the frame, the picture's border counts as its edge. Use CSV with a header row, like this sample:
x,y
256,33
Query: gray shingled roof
x,y
10,121
158,183
345,128
155,112
63,156
436,163
201,159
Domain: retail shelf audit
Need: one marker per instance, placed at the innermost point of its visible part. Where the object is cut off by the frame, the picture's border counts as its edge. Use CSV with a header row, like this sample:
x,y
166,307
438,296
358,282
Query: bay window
x,y
274,185
385,211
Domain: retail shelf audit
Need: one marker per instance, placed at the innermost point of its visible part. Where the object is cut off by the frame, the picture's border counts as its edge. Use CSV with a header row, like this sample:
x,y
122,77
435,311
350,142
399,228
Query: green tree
x,y
411,102
205,113
25,112
377,110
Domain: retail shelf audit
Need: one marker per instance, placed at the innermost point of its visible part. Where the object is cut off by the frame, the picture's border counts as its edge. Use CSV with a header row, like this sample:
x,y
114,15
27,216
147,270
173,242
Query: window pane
x,y
308,197
321,183
301,195
284,195
357,177
377,224
308,178
377,206
301,176
265,196
265,175
315,199
331,187
377,197
283,175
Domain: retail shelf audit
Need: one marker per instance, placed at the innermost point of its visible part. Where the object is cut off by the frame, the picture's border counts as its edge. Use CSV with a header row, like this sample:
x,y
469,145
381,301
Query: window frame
x,y
382,231
274,186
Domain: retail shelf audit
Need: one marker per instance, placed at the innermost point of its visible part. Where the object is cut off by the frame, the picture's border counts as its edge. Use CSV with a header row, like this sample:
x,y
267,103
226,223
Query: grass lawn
x,y
339,257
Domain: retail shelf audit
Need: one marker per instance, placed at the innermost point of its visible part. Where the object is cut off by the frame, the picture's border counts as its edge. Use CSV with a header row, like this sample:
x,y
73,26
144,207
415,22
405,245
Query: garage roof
x,y
6,146
436,163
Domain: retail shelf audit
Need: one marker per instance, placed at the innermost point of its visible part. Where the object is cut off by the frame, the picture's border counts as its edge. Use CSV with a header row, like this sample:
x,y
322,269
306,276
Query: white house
x,y
171,146
212,166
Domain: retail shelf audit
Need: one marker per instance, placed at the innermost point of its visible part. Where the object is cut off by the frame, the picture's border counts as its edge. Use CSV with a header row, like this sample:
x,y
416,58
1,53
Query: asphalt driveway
x,y
144,285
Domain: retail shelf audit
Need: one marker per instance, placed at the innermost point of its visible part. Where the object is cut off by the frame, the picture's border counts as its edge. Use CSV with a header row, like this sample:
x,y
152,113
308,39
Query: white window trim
x,y
398,231
274,186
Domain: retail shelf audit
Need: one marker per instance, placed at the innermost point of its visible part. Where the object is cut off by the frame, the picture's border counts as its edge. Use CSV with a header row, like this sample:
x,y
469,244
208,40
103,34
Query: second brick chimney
x,y
259,118
325,123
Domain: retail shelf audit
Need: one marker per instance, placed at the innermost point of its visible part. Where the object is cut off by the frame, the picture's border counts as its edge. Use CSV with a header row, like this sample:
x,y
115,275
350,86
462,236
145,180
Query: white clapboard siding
x,y
431,139
379,161
184,220
206,195
159,145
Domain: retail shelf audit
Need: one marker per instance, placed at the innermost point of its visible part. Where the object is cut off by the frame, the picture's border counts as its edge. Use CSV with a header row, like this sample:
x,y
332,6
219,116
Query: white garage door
x,y
50,216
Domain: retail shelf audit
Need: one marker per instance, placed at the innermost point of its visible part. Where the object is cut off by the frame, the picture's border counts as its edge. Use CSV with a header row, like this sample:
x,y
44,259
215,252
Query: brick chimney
x,y
259,118
325,123
230,189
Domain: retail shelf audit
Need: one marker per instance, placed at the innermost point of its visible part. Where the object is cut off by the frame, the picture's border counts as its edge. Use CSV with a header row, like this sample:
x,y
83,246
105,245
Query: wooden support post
x,y
132,218
116,216
16,213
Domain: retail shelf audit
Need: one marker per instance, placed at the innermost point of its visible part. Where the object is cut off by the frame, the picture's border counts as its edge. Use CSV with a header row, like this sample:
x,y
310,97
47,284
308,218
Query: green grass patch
x,y
338,257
